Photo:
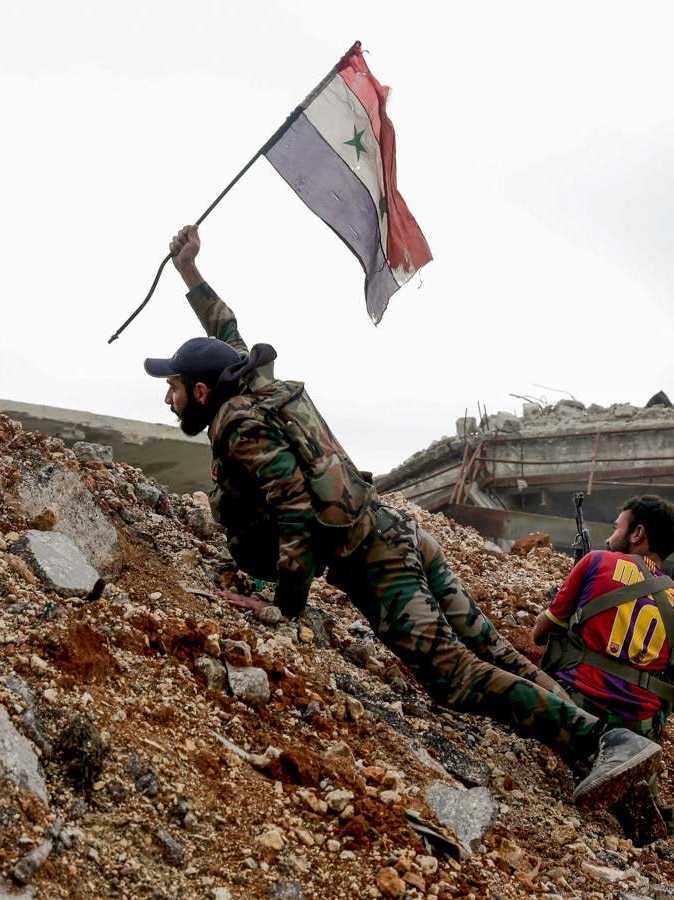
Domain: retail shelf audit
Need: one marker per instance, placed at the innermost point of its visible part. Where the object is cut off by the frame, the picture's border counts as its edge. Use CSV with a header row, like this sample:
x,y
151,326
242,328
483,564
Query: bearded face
x,y
194,416
619,542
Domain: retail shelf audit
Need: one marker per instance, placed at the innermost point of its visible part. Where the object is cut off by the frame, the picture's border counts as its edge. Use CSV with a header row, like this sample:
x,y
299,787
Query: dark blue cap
x,y
202,358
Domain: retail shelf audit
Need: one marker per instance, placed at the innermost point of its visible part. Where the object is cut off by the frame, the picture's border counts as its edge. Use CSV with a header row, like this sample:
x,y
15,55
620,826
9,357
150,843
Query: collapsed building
x,y
509,475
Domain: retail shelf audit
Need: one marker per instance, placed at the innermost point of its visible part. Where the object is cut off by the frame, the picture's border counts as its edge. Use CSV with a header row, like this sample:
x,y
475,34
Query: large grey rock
x,y
86,451
171,849
249,684
18,760
467,770
77,515
468,813
19,687
58,563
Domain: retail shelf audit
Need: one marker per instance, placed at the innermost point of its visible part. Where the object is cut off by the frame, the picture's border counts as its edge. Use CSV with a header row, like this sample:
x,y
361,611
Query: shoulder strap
x,y
664,608
654,585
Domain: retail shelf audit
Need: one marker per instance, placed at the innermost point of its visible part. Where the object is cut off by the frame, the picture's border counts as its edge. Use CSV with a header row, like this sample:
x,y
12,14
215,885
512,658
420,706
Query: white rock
x,y
271,840
428,864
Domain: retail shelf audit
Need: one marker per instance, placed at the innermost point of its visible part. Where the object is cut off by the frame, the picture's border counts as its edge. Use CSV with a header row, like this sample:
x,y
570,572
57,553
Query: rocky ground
x,y
154,742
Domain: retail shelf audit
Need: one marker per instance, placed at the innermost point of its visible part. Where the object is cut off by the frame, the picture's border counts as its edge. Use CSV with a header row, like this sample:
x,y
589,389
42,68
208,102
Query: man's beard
x,y
194,417
621,546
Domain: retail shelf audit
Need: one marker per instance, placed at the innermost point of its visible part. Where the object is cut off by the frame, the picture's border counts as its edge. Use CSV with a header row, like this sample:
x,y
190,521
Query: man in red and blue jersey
x,y
633,633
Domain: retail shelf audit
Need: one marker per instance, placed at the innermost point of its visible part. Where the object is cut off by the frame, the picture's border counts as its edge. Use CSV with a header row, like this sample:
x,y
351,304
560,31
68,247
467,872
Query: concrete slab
x,y
162,451
57,562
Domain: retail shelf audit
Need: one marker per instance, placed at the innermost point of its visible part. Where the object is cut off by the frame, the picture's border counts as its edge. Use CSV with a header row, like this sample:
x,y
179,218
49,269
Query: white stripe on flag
x,y
334,114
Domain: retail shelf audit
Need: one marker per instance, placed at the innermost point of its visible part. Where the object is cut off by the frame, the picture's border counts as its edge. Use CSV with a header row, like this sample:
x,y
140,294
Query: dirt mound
x,y
169,777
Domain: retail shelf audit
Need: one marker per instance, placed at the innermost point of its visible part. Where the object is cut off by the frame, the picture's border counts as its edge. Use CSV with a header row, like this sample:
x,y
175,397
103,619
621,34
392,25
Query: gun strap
x,y
654,585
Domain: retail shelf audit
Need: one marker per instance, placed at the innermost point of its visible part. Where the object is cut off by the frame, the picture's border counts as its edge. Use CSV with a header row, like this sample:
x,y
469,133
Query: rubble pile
x,y
155,742
553,420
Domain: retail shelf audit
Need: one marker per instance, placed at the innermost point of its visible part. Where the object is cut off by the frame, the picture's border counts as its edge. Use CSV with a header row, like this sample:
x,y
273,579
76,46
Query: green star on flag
x,y
356,142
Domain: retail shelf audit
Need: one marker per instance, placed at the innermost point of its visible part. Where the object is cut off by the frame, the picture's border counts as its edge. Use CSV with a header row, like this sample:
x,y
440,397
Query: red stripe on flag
x,y
406,246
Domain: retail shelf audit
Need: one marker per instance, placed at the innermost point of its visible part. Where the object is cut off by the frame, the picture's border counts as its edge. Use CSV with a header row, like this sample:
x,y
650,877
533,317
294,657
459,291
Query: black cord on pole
x,y
201,218
266,146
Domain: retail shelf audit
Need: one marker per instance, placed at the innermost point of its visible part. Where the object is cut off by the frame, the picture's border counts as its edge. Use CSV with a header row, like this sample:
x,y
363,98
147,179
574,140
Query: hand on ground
x,y
240,601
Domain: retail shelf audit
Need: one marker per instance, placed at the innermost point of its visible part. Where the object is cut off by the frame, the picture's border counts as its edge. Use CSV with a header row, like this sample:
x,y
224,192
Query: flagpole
x,y
263,149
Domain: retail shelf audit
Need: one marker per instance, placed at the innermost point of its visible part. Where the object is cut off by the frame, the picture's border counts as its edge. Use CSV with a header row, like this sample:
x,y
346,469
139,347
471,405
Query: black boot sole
x,y
601,792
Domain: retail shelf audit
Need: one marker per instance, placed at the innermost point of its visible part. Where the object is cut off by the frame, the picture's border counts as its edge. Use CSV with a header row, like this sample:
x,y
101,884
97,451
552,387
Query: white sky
x,y
535,148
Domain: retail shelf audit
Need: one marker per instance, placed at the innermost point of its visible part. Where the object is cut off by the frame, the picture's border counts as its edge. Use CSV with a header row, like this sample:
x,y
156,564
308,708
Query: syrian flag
x,y
338,155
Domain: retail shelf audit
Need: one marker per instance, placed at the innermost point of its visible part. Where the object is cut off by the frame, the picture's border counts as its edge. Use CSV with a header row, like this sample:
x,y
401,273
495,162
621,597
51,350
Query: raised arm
x,y
217,319
184,248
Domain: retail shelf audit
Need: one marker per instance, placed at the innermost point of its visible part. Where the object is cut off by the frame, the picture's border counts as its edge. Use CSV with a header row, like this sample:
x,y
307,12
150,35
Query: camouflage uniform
x,y
294,505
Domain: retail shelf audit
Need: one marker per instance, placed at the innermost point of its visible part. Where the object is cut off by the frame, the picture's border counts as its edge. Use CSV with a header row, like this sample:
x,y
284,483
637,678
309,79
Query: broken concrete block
x,y
57,562
623,410
468,813
77,514
465,426
250,684
502,421
18,760
531,410
88,452
568,404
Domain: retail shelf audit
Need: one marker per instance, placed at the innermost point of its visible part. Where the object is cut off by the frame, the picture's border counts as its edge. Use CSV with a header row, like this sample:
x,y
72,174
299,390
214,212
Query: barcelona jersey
x,y
632,632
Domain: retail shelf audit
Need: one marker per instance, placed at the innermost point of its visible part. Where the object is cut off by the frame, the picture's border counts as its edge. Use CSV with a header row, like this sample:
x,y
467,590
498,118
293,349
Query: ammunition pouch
x,y
563,651
338,493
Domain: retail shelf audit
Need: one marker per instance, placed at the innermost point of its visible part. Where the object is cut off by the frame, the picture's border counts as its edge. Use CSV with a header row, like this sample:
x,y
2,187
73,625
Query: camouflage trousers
x,y
419,608
651,728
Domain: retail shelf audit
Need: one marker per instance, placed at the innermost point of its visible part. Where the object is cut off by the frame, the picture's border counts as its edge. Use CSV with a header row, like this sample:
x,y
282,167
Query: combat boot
x,y
623,759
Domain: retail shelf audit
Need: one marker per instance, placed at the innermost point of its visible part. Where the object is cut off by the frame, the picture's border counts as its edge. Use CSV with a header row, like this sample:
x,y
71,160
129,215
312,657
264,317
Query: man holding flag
x,y
337,151
294,507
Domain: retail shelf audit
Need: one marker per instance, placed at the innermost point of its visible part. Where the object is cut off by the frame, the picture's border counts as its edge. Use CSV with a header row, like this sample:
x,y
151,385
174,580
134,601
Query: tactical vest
x,y
341,498
566,651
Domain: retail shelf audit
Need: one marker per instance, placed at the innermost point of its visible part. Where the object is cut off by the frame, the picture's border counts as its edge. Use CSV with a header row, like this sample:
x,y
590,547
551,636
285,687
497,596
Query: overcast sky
x,y
535,149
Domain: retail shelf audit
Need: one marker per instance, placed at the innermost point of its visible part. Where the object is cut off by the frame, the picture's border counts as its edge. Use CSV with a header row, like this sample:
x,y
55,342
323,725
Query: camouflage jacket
x,y
286,492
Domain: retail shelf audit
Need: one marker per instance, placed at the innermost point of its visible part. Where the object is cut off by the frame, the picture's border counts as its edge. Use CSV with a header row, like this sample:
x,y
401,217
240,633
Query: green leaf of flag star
x,y
356,142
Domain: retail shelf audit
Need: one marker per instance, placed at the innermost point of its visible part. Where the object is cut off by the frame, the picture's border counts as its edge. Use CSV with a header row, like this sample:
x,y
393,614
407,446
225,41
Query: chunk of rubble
x,y
77,515
86,451
29,865
18,760
249,684
468,813
57,561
